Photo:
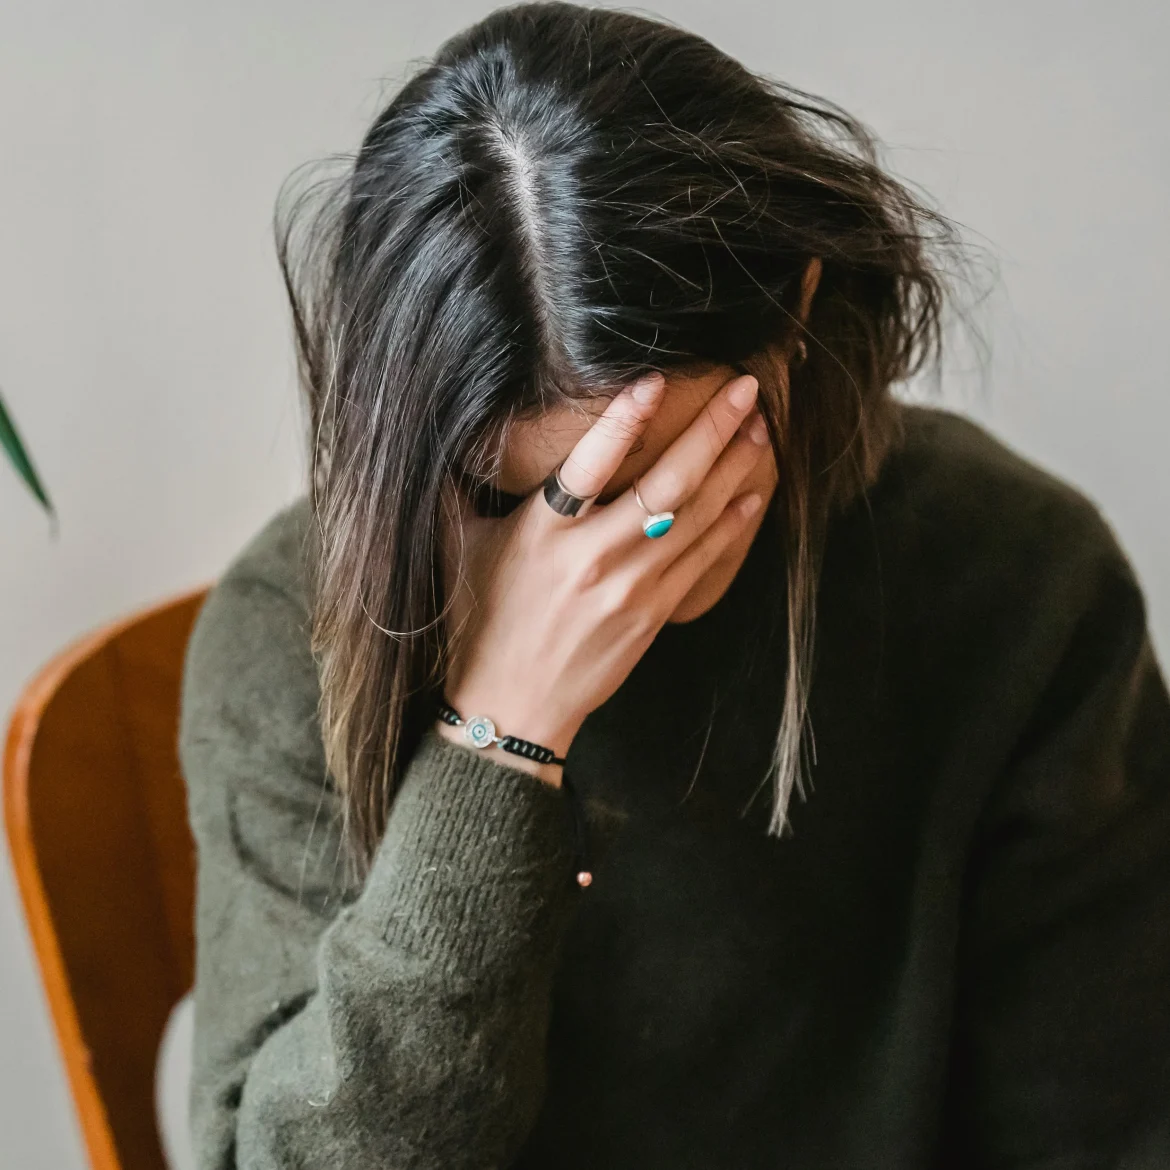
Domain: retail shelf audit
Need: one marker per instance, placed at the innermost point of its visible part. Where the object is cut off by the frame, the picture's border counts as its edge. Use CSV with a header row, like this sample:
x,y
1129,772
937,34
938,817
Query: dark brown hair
x,y
563,198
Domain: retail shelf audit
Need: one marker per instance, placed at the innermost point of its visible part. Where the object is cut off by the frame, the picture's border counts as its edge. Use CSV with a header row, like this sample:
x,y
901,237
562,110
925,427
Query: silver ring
x,y
561,500
656,524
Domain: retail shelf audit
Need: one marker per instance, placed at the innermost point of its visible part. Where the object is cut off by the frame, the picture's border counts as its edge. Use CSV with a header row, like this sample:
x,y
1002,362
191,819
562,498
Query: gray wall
x,y
144,347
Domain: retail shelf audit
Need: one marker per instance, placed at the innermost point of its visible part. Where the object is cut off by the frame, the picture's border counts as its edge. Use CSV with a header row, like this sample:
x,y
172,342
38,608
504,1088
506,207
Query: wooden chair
x,y
96,814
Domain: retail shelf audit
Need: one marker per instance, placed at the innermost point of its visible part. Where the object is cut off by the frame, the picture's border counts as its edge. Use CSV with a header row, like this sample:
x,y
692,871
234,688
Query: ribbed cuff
x,y
476,865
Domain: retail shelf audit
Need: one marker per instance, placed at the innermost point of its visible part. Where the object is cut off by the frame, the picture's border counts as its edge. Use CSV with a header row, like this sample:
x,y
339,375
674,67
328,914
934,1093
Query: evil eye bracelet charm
x,y
479,731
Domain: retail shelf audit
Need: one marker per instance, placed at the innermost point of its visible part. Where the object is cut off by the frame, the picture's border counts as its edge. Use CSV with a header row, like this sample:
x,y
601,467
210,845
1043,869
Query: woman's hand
x,y
549,614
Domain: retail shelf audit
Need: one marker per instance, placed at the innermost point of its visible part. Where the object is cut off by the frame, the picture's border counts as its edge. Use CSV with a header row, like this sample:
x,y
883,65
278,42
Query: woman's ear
x,y
808,286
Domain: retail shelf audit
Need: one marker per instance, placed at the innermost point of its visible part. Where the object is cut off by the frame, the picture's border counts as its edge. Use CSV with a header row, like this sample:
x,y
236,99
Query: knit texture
x,y
958,957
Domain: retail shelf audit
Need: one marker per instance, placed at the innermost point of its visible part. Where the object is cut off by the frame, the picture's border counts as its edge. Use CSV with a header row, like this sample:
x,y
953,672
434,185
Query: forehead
x,y
533,446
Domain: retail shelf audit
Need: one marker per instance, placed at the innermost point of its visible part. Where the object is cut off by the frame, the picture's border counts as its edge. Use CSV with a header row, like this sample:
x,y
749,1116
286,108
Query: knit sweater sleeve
x,y
401,1023
1062,1038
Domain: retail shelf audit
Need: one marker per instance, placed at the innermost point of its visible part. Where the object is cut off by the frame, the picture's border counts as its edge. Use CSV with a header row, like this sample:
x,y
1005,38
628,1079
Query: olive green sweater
x,y
959,956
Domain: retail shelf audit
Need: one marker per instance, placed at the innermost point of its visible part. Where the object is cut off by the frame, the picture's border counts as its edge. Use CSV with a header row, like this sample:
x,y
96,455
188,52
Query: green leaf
x,y
14,448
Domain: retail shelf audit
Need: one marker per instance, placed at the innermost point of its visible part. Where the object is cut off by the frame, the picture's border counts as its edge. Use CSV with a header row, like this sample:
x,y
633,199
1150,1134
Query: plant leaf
x,y
16,452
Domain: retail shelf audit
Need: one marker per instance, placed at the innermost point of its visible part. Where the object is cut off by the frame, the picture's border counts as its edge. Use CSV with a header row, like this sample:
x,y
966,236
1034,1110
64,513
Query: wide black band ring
x,y
561,500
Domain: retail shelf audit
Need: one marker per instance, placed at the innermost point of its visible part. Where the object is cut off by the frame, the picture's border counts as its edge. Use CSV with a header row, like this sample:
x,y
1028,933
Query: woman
x,y
492,739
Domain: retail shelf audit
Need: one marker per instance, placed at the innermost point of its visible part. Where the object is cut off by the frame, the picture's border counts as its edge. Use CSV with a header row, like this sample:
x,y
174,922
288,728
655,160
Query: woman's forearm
x,y
424,1042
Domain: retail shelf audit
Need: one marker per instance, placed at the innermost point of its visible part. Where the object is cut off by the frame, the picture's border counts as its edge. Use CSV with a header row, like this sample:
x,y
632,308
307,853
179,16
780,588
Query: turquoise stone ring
x,y
656,524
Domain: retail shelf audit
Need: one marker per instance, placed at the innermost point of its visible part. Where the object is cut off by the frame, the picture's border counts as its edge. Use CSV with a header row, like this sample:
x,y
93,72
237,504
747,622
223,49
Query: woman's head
x,y
562,199
533,446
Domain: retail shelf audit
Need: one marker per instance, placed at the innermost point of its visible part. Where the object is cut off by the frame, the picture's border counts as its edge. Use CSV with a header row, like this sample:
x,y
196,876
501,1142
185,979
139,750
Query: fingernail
x,y
758,430
749,505
646,389
743,393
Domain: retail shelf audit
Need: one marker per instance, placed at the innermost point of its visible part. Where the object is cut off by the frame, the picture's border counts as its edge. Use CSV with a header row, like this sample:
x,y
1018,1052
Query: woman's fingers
x,y
739,460
601,450
685,464
700,555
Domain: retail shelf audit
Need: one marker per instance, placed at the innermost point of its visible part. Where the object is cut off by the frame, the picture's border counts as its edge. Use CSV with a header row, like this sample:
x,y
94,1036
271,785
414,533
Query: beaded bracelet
x,y
480,732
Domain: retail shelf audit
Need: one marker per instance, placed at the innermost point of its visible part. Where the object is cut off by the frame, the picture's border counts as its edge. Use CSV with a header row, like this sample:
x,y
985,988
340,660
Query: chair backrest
x,y
96,814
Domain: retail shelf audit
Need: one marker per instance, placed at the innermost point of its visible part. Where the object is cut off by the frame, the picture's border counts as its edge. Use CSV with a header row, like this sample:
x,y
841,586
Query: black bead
x,y
528,749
